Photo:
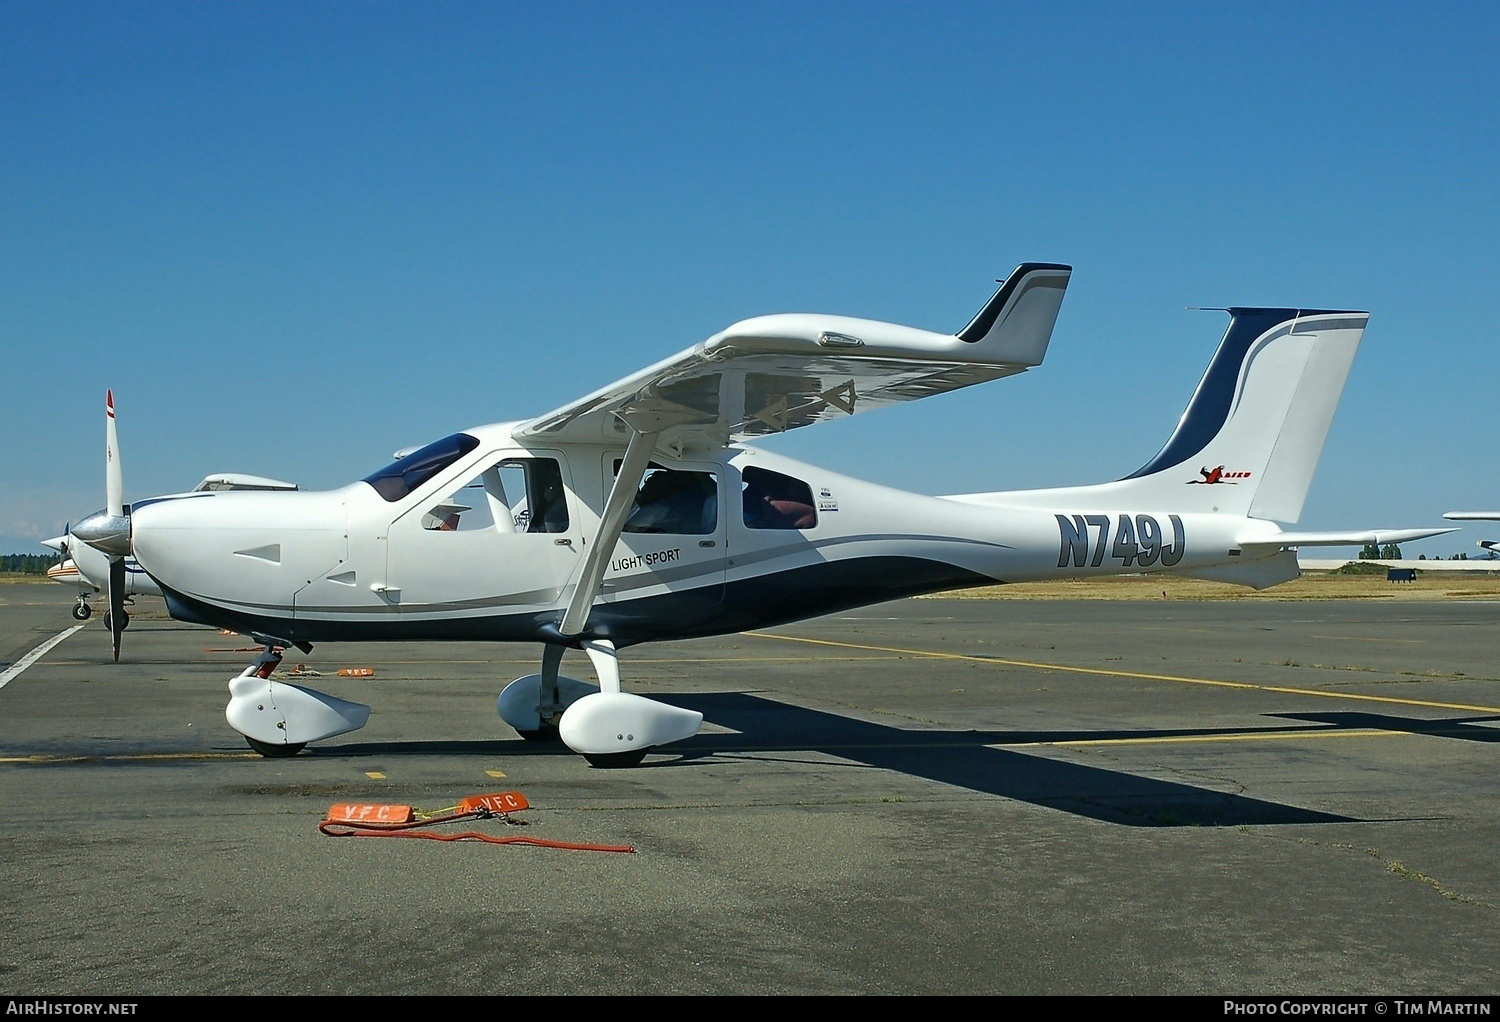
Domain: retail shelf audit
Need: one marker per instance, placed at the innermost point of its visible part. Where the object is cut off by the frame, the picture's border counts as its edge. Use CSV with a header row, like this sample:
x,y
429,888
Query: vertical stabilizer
x,y
1252,434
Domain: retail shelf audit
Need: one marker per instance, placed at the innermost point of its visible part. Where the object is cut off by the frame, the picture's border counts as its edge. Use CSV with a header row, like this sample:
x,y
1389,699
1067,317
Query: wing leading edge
x,y
774,373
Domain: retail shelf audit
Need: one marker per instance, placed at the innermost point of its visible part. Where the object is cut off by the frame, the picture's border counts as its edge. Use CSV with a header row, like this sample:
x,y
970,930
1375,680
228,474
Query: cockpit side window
x,y
546,507
512,495
403,476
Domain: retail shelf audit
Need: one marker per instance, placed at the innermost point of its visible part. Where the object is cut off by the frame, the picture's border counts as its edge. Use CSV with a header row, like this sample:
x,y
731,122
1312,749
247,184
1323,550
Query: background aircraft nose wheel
x,y
270,751
82,611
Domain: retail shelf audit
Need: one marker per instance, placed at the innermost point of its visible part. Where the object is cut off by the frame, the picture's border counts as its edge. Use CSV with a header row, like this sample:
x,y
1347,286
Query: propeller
x,y
114,504
109,530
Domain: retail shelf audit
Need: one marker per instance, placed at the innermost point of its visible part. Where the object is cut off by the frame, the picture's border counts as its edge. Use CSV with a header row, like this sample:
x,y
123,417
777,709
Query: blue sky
x,y
296,237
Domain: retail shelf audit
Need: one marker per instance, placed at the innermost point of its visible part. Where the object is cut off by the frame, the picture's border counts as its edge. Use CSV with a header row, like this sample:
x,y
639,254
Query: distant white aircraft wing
x,y
1473,516
240,481
774,373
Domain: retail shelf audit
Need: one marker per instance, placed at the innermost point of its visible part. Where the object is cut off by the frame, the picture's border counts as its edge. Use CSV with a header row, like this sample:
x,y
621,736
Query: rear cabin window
x,y
775,501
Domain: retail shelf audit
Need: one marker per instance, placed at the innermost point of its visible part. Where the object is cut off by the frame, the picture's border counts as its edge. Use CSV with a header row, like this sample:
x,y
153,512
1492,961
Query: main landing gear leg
x,y
534,705
606,663
277,719
549,705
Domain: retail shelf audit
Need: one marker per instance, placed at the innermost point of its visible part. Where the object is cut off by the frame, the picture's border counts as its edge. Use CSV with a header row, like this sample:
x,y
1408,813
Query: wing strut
x,y
632,470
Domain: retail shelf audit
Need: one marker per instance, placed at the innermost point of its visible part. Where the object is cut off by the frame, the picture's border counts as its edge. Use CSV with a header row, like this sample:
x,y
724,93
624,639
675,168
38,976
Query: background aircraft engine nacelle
x,y
613,722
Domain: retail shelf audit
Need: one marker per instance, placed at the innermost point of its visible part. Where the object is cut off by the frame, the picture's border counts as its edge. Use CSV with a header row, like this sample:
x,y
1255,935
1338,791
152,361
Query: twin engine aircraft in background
x,y
1489,546
67,572
640,513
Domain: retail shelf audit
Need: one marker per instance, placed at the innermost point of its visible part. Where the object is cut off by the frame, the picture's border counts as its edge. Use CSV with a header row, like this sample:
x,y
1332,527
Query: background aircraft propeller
x,y
109,530
114,488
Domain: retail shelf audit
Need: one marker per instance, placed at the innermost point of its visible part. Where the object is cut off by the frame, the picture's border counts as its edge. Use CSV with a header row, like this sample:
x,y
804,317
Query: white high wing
x,y
640,514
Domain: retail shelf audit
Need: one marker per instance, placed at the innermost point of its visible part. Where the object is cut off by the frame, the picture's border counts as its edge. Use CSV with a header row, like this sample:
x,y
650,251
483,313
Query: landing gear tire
x,y
545,733
82,612
616,760
270,751
124,620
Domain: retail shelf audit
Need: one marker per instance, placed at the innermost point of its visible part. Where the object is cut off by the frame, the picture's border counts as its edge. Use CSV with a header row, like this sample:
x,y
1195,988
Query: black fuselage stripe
x,y
762,602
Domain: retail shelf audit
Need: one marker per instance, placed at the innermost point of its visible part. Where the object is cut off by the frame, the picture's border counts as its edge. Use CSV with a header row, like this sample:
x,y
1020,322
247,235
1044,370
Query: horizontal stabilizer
x,y
1473,516
1377,537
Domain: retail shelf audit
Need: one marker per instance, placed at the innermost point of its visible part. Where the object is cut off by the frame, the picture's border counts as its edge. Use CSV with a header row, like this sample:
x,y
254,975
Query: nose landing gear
x,y
276,719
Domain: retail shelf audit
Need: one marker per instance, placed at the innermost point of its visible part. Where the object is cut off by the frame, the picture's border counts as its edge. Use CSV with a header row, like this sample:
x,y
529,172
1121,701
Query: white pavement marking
x,y
26,661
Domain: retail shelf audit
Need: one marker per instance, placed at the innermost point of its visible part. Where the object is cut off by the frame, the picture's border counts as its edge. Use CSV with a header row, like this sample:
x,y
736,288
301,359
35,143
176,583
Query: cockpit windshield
x,y
402,476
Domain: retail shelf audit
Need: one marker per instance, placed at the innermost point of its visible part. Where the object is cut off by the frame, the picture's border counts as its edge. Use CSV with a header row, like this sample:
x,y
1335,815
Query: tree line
x,y
1392,552
26,564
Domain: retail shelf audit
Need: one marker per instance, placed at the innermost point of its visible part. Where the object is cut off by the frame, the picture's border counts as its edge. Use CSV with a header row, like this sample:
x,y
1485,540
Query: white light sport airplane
x,y
545,530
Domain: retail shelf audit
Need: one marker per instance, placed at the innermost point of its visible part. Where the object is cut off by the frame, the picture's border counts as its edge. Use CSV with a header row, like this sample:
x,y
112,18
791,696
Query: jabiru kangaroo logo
x,y
1215,476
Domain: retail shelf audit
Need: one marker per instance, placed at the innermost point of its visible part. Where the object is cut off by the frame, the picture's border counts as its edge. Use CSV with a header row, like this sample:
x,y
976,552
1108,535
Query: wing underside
x,y
775,373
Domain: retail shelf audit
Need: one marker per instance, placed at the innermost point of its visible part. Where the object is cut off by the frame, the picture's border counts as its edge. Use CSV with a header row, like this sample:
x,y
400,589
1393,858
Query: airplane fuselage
x,y
370,562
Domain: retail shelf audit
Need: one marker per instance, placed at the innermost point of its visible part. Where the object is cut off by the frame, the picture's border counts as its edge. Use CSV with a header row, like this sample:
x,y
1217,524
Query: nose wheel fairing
x,y
279,719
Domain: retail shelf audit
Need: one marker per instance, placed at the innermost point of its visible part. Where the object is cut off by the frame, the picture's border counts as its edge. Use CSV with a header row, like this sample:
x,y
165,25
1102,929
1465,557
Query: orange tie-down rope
x,y
375,819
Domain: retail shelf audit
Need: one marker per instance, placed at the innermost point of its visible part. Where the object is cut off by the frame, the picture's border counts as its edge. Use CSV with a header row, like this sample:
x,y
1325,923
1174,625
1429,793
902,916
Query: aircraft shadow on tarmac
x,y
964,759
1465,728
